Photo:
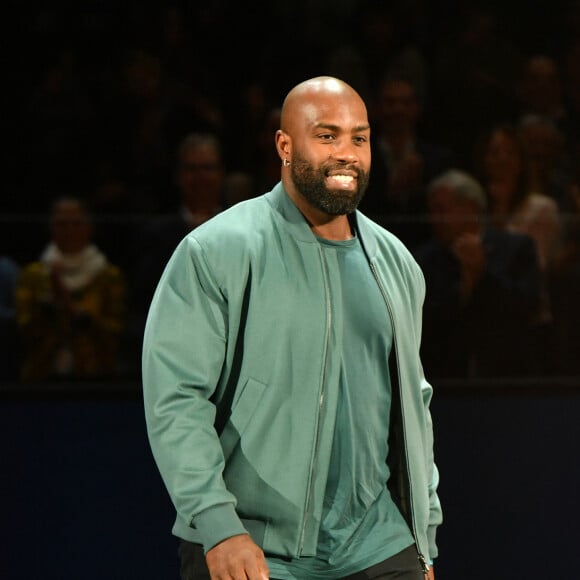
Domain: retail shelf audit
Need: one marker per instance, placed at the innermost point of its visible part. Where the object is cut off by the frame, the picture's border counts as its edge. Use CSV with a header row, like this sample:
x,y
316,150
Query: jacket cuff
x,y
216,524
433,551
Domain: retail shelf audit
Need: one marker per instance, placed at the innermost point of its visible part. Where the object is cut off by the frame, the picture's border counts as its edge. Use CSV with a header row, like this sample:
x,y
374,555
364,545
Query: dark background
x,y
81,496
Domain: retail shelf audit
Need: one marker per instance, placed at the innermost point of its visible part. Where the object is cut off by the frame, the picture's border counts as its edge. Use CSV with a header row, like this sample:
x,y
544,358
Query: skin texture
x,y
237,558
325,126
324,132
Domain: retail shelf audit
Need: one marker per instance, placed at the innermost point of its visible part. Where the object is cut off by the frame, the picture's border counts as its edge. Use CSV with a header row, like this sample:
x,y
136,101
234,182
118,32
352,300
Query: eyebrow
x,y
330,127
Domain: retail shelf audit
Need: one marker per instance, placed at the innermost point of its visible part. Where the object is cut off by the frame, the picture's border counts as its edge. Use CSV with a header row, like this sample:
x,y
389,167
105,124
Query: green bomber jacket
x,y
238,362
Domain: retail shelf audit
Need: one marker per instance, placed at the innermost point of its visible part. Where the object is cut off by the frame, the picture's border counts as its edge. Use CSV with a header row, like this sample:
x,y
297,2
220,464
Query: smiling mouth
x,y
343,178
344,181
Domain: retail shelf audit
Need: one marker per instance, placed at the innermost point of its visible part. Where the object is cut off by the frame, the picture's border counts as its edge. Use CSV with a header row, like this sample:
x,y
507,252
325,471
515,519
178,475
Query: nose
x,y
345,151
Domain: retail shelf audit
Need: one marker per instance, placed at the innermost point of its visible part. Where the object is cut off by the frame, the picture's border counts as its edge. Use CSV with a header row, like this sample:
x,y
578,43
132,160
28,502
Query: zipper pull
x,y
424,565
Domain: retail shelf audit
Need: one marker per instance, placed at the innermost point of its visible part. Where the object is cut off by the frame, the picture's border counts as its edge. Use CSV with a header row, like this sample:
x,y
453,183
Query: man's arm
x,y
435,513
183,356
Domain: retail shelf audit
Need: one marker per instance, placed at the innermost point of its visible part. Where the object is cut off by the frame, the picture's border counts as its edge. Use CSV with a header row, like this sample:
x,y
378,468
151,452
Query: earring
x,y
286,163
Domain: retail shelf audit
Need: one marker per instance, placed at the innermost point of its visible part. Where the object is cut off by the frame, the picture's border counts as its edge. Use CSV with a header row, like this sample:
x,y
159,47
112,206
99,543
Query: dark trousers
x,y
402,566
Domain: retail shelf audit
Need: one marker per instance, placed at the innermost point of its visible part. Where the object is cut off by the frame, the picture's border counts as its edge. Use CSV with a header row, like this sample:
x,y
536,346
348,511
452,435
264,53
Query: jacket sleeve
x,y
183,354
435,513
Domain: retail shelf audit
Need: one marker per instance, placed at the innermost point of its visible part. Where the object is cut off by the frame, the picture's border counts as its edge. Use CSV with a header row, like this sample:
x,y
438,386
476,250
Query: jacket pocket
x,y
242,412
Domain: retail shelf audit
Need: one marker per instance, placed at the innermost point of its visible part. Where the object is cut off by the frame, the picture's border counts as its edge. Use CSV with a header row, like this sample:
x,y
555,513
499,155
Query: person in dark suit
x,y
200,178
483,287
403,162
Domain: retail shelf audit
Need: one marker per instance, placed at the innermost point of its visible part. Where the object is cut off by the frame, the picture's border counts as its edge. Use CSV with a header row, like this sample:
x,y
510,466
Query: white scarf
x,y
76,270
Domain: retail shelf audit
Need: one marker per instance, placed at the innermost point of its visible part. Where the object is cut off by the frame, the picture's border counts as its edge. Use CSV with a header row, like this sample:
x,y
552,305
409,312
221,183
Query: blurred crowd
x,y
128,126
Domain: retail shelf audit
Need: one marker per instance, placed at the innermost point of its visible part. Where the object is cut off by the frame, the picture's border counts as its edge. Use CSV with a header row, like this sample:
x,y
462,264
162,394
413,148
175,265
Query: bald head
x,y
311,94
324,144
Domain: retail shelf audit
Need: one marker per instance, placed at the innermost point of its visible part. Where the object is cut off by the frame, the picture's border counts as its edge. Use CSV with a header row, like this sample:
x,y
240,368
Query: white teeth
x,y
343,178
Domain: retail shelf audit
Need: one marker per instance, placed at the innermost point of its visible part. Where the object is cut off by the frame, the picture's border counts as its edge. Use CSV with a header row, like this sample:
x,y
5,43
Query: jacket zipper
x,y
421,557
320,401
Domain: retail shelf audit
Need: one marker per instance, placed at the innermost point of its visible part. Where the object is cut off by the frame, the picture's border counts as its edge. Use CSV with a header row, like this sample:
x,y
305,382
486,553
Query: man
x,y
200,181
403,162
483,287
200,178
70,303
285,400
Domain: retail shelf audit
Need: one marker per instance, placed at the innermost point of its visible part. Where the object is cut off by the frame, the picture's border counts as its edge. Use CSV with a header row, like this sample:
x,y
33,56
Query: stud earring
x,y
286,163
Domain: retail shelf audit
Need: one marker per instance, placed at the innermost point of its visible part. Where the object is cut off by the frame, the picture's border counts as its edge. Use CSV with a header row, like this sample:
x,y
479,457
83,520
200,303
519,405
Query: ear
x,y
283,144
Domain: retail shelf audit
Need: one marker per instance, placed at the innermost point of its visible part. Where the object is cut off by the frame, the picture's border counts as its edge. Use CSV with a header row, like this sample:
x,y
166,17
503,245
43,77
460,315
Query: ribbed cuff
x,y
431,532
216,524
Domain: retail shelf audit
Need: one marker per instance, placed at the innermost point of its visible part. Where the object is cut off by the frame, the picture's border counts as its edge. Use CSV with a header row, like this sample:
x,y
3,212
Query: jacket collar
x,y
298,227
292,217
367,237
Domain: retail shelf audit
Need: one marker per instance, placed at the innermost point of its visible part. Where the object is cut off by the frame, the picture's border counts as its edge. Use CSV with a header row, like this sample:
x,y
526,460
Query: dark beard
x,y
310,182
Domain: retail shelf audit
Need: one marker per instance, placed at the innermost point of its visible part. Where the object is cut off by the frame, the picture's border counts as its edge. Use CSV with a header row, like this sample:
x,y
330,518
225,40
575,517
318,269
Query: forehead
x,y
343,111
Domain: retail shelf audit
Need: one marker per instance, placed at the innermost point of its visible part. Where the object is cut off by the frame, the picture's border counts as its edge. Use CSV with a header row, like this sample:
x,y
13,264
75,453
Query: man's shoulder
x,y
242,218
235,232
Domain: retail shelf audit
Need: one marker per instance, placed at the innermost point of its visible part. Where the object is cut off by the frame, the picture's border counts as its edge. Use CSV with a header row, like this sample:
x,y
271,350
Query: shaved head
x,y
324,144
310,92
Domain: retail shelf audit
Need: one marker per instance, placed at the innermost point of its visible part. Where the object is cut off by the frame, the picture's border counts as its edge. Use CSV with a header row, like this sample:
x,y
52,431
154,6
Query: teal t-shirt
x,y
361,525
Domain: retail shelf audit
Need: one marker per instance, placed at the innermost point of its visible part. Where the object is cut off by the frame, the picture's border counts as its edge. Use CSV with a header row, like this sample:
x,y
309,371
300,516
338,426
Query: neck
x,y
337,229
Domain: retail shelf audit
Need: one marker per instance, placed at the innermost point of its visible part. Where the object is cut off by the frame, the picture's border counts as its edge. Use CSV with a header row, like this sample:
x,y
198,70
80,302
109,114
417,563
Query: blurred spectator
x,y
382,38
248,111
540,90
572,95
201,180
70,304
565,290
60,116
515,207
386,43
545,147
483,287
177,50
144,123
403,162
474,66
263,171
502,163
8,331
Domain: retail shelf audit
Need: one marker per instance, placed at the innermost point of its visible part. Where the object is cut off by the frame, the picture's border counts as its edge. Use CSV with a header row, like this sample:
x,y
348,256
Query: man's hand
x,y
237,558
431,574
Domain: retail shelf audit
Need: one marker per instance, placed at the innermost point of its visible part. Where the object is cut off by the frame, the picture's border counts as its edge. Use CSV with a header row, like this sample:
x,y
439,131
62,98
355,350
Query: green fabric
x,y
237,355
361,524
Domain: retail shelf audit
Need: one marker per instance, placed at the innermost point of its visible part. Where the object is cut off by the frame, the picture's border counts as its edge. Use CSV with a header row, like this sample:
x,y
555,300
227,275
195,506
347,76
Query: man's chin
x,y
342,206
